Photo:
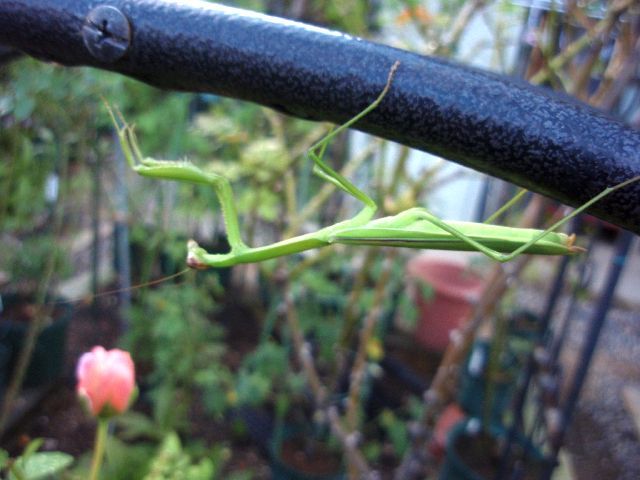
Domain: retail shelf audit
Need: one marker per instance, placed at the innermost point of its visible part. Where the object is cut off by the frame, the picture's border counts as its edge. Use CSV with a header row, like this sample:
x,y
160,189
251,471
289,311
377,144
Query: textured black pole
x,y
488,122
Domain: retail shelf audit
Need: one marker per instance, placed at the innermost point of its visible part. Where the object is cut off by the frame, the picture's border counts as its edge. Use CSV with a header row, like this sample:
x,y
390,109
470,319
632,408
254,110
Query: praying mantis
x,y
413,228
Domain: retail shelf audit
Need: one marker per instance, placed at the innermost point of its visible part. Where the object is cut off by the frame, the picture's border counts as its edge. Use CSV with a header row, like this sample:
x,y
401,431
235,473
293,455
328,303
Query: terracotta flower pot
x,y
448,299
448,419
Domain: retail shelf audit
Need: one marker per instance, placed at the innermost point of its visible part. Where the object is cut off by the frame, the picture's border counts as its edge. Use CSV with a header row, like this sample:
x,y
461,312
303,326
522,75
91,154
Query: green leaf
x,y
32,447
126,460
24,108
4,458
172,462
407,311
45,464
135,425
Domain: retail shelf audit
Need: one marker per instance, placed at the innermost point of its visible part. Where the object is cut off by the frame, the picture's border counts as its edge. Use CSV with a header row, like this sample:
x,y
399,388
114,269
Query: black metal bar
x,y
7,54
500,126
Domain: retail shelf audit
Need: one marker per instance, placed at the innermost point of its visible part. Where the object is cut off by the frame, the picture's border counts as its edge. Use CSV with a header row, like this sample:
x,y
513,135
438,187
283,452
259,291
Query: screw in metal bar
x,y
106,33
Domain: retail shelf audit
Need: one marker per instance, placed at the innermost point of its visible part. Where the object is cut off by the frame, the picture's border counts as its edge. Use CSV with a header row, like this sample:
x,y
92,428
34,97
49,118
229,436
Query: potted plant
x,y
477,453
444,289
491,371
476,446
306,455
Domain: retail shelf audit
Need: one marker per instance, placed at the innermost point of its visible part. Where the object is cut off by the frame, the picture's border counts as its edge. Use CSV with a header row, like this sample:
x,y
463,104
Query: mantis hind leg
x,y
409,216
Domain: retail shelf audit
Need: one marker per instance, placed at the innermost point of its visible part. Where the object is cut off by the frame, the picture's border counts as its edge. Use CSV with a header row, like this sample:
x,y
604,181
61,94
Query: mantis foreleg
x,y
183,172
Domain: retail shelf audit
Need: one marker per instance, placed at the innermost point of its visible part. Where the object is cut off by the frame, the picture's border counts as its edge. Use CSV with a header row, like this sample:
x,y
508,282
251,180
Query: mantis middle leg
x,y
323,170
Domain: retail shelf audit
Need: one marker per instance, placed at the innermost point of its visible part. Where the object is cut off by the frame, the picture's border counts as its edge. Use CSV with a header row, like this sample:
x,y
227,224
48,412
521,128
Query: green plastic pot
x,y
459,466
475,392
47,361
474,389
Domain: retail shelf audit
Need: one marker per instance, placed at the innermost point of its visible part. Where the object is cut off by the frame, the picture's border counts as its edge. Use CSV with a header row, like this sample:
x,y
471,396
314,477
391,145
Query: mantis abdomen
x,y
424,234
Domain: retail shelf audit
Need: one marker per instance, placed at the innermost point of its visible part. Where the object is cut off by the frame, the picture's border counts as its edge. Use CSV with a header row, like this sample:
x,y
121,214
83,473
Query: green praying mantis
x,y
413,228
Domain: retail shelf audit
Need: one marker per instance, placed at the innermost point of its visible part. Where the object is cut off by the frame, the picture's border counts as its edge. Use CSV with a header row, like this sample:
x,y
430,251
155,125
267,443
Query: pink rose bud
x,y
106,381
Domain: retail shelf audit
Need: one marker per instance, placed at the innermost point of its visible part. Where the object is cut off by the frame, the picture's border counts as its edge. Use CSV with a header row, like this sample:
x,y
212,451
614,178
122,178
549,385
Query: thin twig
x,y
573,49
621,70
303,349
348,440
358,369
465,15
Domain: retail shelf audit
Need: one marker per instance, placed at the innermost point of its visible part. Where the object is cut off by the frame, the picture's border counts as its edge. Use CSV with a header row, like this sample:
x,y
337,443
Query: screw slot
x,y
106,33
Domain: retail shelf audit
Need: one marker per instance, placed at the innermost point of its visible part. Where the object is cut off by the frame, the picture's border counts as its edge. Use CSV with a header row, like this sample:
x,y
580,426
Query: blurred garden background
x,y
315,365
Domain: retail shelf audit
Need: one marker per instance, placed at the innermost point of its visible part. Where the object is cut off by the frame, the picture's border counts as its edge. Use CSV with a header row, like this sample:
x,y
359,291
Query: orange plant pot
x,y
454,289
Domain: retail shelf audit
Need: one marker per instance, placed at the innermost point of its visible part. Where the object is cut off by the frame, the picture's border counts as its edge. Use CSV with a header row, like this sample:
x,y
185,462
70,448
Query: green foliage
x,y
396,430
133,426
266,373
322,286
394,425
38,134
172,462
255,163
163,458
126,461
172,333
51,127
26,260
22,185
355,16
34,465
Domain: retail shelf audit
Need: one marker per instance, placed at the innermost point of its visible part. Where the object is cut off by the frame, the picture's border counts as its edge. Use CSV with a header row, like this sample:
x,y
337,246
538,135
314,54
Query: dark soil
x,y
313,458
23,310
480,453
